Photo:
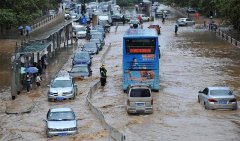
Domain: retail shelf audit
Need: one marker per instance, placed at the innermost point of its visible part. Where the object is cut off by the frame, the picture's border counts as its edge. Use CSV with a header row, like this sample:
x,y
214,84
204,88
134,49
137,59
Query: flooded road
x,y
190,61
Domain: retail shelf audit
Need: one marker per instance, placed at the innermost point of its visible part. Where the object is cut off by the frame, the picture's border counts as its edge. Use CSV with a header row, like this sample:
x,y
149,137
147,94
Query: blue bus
x,y
141,58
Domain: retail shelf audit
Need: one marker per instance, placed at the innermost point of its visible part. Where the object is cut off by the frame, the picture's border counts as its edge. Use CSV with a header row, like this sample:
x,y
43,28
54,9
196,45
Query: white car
x,y
144,17
185,22
81,34
61,122
61,88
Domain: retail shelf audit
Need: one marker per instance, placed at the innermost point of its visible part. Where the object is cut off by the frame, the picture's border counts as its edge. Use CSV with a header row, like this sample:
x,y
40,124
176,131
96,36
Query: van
x,y
139,99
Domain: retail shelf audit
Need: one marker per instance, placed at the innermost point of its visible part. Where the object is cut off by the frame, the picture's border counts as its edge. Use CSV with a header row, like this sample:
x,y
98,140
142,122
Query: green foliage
x,y
228,9
18,12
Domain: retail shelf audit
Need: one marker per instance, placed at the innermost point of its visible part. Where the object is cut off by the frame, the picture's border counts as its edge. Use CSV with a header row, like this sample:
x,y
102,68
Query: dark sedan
x,y
81,58
91,48
80,71
98,42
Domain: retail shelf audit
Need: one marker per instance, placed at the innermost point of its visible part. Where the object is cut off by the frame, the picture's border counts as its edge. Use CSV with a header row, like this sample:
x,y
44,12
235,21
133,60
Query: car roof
x,y
67,77
218,88
61,109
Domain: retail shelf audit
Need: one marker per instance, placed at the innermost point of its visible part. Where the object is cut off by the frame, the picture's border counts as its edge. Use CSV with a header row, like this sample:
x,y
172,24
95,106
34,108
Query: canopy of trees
x,y
226,9
16,12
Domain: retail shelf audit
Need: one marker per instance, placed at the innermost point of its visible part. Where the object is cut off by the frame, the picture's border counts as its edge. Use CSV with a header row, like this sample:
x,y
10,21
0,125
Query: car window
x,y
220,92
60,116
80,56
80,69
89,45
61,83
140,93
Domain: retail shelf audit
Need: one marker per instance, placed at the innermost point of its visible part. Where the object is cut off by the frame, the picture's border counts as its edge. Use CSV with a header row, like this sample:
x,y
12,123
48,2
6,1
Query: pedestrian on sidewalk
x,y
38,80
28,82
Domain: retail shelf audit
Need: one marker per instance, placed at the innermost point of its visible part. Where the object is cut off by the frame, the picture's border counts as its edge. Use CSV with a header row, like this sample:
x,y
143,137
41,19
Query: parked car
x,y
156,27
80,71
82,57
61,122
81,32
100,29
61,88
139,99
217,98
51,12
98,42
93,32
91,48
185,22
191,10
144,17
158,12
98,36
118,18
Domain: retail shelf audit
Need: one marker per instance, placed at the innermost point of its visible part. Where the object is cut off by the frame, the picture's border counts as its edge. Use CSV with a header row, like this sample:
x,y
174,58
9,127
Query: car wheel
x,y
148,20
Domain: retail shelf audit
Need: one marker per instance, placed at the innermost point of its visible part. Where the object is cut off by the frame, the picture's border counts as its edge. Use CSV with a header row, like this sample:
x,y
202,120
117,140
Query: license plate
x,y
222,102
59,98
140,104
62,134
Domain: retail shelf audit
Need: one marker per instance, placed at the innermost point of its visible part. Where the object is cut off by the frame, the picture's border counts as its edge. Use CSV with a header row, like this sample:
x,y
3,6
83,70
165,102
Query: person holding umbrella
x,y
28,82
28,30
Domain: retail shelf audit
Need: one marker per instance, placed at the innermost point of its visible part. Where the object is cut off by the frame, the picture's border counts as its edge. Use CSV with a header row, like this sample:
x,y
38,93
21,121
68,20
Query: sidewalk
x,y
25,102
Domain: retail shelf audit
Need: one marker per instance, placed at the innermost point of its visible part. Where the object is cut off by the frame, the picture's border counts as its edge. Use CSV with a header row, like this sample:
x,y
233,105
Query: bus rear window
x,y
140,46
140,93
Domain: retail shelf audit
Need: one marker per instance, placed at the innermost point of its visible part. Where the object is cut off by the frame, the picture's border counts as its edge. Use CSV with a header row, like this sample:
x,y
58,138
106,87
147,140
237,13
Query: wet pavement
x,y
190,61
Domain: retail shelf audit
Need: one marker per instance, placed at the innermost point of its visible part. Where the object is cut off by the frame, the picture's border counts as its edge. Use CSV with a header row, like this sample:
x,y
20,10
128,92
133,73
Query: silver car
x,y
139,99
185,22
217,98
61,88
61,122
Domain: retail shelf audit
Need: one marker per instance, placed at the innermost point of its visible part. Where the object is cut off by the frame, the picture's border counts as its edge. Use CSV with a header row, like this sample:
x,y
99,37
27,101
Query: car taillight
x,y
233,100
152,102
128,102
212,100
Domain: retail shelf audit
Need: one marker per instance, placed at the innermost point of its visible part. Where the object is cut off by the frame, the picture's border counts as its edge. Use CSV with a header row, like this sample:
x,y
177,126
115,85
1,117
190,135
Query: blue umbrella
x,y
28,28
31,70
20,27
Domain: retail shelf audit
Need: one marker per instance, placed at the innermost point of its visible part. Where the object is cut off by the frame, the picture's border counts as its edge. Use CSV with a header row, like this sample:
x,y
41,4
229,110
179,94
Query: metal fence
x,y
113,132
45,21
227,38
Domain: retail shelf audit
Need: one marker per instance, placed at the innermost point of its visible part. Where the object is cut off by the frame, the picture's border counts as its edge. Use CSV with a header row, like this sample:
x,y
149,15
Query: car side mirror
x,y
79,119
91,57
200,92
44,120
75,85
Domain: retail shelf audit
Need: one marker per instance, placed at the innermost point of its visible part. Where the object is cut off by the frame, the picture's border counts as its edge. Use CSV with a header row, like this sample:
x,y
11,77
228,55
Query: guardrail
x,y
45,21
113,132
227,38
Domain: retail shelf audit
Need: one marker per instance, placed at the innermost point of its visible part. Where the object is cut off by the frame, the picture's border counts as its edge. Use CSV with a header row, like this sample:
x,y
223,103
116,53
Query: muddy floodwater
x,y
190,61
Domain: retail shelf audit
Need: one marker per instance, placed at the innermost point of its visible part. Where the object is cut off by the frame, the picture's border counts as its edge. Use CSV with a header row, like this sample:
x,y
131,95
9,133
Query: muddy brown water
x,y
190,61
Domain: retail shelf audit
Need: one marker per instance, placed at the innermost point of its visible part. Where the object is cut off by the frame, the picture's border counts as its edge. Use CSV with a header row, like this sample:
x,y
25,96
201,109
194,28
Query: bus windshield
x,y
140,46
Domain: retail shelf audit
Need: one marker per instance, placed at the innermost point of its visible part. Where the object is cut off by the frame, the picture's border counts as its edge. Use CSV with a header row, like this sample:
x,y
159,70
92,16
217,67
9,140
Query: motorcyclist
x,y
103,74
